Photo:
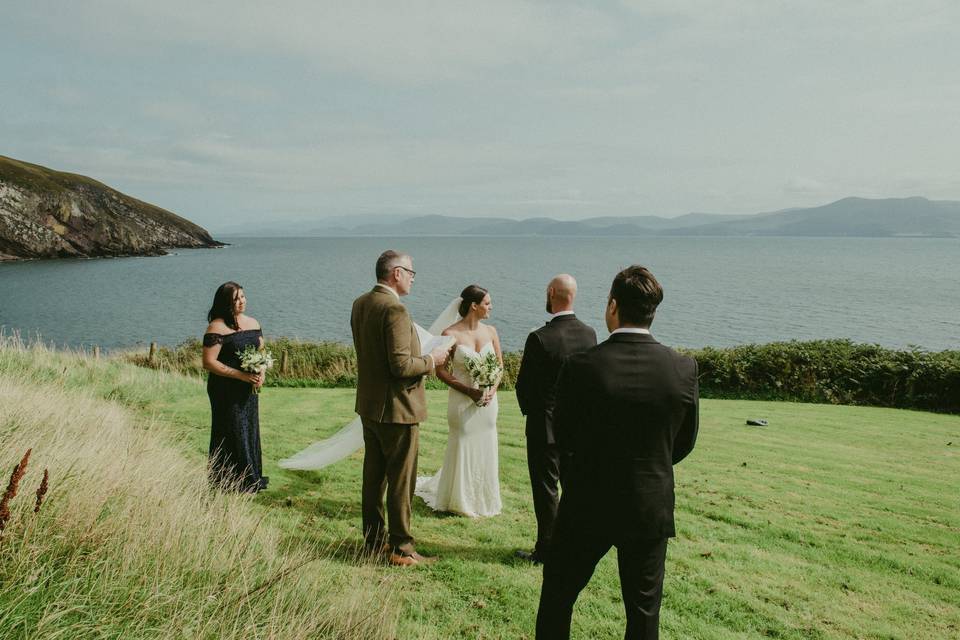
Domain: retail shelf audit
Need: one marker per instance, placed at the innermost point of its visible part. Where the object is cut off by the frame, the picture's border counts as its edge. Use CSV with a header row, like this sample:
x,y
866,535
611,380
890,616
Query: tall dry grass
x,y
130,540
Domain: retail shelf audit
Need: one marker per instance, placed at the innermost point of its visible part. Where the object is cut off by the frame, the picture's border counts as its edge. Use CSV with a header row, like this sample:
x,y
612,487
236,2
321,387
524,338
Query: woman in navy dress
x,y
235,432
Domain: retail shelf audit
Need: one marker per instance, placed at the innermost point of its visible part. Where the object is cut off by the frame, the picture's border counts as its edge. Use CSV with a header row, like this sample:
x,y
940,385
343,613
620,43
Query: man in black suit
x,y
627,409
536,383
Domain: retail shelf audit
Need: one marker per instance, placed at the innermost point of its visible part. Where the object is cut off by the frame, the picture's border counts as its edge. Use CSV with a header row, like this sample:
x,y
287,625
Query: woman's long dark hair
x,y
472,294
223,305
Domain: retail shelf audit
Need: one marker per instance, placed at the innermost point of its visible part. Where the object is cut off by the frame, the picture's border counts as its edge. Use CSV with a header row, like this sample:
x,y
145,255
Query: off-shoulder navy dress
x,y
235,427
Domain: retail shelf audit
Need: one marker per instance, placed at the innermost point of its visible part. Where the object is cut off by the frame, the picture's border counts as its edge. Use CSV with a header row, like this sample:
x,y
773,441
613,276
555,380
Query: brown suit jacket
x,y
390,367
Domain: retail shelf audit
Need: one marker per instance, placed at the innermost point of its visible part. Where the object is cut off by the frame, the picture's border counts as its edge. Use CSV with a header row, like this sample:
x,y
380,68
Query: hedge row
x,y
826,371
308,364
835,372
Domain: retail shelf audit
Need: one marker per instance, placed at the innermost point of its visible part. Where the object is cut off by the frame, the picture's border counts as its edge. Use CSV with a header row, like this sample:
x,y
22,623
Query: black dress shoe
x,y
529,556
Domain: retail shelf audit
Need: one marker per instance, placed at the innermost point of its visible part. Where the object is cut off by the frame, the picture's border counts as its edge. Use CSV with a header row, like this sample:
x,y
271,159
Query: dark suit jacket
x,y
628,411
390,368
543,354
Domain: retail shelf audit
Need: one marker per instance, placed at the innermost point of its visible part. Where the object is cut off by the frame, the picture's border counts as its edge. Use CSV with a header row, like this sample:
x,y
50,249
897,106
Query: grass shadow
x,y
484,553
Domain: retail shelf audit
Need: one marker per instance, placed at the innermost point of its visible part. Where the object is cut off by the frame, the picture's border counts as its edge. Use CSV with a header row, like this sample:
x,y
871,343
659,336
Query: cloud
x,y
511,108
68,95
250,93
413,42
179,112
801,185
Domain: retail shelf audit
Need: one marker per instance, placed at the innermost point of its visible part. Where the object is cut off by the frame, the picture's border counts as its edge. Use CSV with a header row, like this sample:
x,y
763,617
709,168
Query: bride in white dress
x,y
468,482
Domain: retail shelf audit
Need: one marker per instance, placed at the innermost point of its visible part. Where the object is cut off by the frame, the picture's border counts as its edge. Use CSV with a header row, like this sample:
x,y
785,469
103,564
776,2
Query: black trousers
x,y
544,462
569,566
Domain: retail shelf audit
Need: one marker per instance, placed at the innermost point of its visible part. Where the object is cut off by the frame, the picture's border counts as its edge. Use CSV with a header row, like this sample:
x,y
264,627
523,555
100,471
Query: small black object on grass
x,y
756,422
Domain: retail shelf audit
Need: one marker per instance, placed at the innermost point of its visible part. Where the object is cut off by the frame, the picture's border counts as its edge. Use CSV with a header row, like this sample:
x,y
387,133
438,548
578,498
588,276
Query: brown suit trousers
x,y
389,465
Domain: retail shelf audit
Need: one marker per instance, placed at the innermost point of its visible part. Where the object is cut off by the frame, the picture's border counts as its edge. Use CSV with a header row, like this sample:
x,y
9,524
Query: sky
x,y
242,113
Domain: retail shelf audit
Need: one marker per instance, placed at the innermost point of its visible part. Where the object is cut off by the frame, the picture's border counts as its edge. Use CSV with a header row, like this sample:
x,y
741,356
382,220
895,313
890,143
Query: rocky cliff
x,y
51,214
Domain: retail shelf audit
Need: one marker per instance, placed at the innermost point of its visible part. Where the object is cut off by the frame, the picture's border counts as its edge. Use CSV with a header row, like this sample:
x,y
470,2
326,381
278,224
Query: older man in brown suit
x,y
391,404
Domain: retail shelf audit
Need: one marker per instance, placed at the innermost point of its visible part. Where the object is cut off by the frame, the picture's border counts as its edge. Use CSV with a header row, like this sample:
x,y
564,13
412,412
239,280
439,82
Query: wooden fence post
x,y
96,352
283,362
153,352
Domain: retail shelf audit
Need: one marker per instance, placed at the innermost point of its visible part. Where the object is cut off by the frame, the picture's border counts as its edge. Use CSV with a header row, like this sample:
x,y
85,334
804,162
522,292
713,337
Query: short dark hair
x,y
474,293
222,307
637,294
387,262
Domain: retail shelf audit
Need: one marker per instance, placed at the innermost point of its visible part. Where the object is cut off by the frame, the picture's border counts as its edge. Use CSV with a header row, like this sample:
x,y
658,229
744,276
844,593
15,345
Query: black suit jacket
x,y
628,411
543,354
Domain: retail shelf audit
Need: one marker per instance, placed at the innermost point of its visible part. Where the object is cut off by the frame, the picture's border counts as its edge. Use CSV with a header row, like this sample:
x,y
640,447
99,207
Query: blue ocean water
x,y
718,291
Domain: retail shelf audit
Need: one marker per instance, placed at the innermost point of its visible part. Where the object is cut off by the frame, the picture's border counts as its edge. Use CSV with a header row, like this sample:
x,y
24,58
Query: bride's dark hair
x,y
223,305
472,294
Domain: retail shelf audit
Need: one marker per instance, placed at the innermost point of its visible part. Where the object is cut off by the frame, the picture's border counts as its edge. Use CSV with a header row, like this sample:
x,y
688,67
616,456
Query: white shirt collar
x,y
568,312
390,289
631,330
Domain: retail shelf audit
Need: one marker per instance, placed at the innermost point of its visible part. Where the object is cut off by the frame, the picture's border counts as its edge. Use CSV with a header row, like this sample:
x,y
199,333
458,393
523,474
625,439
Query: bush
x,y
308,364
835,372
826,371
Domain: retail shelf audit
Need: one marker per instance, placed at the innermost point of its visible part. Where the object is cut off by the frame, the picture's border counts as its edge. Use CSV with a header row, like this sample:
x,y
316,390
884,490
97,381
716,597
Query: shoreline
x,y
159,253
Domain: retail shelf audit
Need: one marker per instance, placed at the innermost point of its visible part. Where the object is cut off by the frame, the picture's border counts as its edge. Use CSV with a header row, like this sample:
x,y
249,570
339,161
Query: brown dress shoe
x,y
411,558
424,559
401,559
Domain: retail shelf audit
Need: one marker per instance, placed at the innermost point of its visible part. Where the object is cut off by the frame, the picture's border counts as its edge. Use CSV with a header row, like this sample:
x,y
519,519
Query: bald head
x,y
561,293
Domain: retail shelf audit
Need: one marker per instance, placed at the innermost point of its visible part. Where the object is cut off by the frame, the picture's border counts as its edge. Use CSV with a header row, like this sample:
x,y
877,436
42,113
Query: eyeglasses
x,y
413,274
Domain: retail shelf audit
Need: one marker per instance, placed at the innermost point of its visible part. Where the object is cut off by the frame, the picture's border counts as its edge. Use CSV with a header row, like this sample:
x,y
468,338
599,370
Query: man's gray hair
x,y
387,262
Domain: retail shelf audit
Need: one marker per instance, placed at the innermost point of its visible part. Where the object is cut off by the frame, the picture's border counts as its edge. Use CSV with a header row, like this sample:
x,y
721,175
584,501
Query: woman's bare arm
x,y
211,364
451,381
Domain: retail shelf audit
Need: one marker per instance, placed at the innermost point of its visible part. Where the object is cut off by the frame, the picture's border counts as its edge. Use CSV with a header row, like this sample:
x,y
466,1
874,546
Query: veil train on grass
x,y
350,438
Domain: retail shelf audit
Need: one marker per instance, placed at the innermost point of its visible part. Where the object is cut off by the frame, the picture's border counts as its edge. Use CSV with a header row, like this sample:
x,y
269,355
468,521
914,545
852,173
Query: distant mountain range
x,y
52,214
849,217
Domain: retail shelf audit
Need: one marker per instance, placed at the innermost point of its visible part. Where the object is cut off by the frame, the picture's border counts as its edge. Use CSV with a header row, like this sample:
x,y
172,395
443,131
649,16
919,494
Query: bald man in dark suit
x,y
544,353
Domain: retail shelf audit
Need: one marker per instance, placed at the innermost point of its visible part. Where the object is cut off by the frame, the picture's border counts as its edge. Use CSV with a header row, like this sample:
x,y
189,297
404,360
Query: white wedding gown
x,y
468,482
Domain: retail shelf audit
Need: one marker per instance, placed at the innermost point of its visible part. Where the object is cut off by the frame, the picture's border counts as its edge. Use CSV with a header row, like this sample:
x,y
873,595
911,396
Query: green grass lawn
x,y
832,522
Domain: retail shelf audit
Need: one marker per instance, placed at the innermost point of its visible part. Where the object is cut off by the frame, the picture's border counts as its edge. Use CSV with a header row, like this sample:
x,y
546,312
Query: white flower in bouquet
x,y
485,370
255,360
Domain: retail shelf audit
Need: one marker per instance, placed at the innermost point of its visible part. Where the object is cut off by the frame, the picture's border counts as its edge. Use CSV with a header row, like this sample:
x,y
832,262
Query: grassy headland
x,y
832,522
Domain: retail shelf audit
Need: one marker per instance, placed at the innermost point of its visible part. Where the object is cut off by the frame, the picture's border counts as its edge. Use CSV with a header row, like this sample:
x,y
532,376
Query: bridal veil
x,y
350,438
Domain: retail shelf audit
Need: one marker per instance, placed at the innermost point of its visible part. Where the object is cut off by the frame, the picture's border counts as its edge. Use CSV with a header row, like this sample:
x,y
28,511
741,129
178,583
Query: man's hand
x,y
440,356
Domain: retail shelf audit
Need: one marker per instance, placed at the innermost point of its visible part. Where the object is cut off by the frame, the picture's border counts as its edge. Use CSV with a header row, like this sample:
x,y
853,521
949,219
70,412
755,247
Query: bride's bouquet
x,y
254,360
485,370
